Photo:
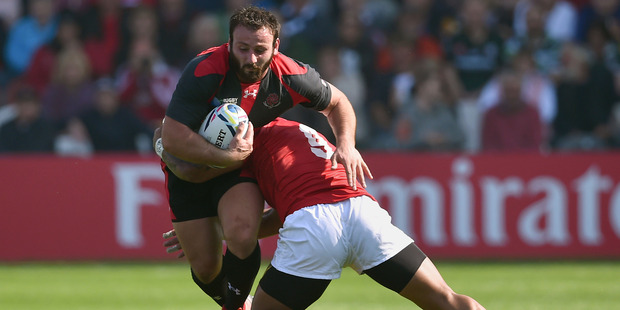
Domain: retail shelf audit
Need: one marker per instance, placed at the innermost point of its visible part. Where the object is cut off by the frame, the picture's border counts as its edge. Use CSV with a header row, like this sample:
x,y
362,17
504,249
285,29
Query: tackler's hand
x,y
353,163
172,243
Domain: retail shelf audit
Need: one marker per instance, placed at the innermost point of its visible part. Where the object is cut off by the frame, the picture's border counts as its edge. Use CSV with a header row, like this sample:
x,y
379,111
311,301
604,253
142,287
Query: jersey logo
x,y
250,93
229,100
272,101
234,289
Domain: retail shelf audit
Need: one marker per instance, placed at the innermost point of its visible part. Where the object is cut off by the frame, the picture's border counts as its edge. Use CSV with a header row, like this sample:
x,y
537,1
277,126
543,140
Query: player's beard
x,y
249,73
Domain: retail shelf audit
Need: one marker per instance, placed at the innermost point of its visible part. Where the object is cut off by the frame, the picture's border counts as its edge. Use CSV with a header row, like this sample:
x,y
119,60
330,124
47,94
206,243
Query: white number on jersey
x,y
318,145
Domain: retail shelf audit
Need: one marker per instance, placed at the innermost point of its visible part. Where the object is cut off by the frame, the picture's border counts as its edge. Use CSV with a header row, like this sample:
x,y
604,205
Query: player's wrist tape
x,y
159,147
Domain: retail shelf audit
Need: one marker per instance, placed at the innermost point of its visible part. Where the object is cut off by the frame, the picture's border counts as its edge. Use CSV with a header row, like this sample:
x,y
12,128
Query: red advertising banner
x,y
454,206
504,205
105,207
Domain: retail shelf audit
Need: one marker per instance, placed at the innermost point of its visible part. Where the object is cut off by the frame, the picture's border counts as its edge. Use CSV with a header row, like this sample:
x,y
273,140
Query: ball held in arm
x,y
222,123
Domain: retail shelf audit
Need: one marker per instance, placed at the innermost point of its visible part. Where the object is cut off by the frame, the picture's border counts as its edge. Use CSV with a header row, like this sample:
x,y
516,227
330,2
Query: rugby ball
x,y
221,124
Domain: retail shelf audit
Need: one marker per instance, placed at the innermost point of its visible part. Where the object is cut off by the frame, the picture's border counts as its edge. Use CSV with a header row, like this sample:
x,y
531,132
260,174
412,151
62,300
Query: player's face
x,y
251,52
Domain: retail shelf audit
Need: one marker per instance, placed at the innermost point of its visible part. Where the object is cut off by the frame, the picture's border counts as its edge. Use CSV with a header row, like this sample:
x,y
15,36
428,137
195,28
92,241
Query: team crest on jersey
x,y
272,101
229,100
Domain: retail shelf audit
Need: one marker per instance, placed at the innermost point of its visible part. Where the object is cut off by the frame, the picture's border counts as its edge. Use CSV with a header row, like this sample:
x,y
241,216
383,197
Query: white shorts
x,y
317,242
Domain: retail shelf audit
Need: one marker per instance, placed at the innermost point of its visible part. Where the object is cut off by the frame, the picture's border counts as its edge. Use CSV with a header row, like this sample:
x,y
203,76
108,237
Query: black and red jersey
x,y
208,81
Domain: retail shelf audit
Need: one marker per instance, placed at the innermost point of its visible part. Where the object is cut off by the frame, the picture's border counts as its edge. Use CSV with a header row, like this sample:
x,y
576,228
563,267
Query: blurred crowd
x,y
85,76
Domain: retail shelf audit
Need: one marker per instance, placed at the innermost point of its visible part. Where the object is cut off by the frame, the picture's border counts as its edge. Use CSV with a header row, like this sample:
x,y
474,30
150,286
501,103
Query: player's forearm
x,y
183,143
192,172
341,118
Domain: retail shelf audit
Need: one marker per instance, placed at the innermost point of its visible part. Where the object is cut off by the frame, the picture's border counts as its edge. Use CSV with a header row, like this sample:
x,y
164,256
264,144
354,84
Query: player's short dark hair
x,y
255,18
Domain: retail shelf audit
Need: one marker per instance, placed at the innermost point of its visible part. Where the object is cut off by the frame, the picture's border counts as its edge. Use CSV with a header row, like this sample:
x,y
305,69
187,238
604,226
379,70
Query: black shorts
x,y
293,291
190,201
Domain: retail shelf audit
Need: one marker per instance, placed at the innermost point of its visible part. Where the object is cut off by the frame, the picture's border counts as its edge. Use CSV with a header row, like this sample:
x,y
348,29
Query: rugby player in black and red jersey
x,y
248,71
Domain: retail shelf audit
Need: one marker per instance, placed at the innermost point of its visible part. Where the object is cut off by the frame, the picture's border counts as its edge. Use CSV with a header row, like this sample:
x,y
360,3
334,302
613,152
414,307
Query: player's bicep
x,y
336,96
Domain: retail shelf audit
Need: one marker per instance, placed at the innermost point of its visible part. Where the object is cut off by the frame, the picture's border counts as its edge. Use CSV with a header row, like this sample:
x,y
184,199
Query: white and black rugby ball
x,y
222,123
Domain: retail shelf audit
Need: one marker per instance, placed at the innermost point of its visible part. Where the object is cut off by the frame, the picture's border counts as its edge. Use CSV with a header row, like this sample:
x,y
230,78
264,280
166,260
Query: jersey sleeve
x,y
308,83
191,100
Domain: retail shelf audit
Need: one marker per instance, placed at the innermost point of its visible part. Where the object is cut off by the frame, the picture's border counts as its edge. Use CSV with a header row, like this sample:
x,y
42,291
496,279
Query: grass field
x,y
517,285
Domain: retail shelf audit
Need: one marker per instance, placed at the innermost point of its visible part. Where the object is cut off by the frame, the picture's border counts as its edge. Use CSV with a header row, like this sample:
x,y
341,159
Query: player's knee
x,y
206,269
241,237
242,244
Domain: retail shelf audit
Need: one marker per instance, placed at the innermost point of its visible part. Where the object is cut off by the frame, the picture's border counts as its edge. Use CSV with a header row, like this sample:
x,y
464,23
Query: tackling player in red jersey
x,y
328,226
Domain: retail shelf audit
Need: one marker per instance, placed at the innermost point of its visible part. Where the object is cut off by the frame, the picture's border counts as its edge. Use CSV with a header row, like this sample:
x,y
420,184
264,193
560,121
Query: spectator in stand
x,y
411,25
604,60
71,89
350,57
39,72
586,95
204,32
475,54
138,24
73,140
546,50
29,33
174,23
146,82
476,51
28,131
606,55
511,125
536,89
607,11
559,18
357,55
389,91
112,127
603,47
305,27
102,34
426,122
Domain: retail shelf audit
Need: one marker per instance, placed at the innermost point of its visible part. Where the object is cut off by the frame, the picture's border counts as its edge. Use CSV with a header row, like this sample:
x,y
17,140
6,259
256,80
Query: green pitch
x,y
135,286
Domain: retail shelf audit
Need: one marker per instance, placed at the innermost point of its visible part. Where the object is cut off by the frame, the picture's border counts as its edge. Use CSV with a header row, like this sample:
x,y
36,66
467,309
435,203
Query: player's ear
x,y
276,47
